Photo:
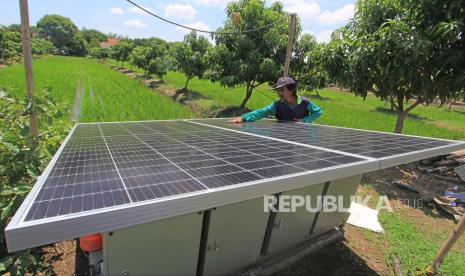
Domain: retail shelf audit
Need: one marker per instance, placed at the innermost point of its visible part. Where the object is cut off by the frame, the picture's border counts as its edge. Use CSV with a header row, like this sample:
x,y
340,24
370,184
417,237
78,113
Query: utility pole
x,y
27,57
290,42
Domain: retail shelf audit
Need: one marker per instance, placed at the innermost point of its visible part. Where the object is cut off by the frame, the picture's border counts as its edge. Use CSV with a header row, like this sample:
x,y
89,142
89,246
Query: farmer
x,y
290,106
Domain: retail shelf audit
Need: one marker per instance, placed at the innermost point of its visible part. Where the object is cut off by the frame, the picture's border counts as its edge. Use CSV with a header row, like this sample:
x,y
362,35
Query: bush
x,y
20,164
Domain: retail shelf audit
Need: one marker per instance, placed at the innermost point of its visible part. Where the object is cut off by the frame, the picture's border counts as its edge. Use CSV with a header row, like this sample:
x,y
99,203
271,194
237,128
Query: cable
x,y
266,95
202,31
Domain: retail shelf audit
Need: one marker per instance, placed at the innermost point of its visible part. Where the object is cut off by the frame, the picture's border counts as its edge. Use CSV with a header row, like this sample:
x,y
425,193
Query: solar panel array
x,y
366,143
112,164
112,175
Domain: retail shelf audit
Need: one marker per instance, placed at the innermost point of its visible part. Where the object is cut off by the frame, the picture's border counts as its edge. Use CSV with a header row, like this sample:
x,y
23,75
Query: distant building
x,y
110,42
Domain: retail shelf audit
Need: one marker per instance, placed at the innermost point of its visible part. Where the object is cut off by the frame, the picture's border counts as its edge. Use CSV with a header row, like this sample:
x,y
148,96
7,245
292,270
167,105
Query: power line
x,y
266,95
202,31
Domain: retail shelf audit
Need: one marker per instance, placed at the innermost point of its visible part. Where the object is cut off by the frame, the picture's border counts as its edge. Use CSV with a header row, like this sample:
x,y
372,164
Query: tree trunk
x,y
401,115
450,105
248,93
391,101
187,82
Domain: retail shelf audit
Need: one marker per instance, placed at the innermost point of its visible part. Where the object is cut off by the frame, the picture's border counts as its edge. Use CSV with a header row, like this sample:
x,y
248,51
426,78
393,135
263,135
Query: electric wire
x,y
202,31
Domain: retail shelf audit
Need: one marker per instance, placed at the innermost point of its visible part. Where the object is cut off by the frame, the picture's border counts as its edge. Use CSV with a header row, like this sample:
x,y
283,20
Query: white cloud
x,y
199,26
338,16
310,12
196,25
212,3
117,10
135,23
180,11
306,9
324,36
139,11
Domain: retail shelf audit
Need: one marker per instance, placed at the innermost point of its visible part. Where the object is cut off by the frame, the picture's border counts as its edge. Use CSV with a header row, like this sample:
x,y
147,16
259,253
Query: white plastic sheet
x,y
364,217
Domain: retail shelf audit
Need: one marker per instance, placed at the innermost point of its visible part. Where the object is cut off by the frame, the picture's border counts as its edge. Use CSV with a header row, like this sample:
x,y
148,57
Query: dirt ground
x,y
356,255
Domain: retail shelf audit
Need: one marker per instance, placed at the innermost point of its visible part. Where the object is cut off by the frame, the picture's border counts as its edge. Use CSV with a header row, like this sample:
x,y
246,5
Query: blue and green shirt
x,y
314,111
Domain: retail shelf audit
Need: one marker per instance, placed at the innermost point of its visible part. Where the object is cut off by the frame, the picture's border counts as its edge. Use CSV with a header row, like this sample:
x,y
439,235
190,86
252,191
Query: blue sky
x,y
117,16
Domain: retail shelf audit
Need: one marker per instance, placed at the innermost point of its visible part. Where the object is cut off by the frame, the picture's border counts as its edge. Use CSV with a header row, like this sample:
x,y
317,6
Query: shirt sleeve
x,y
260,113
315,112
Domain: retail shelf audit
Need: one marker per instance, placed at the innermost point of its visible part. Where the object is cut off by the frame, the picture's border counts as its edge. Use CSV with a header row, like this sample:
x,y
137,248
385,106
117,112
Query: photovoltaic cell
x,y
83,178
110,164
352,141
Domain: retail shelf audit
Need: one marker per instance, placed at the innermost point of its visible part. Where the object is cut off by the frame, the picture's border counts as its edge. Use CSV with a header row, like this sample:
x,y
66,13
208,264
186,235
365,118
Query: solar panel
x,y
112,175
389,148
104,165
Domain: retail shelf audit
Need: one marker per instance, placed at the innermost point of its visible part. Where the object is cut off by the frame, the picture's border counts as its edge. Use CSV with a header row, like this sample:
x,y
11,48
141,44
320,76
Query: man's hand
x,y
237,120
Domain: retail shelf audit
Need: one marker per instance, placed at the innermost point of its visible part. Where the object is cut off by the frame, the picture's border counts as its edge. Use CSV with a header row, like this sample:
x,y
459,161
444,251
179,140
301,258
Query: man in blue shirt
x,y
290,106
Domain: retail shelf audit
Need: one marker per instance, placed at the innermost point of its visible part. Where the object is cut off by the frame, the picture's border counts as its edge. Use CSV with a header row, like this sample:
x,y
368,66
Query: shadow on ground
x,y
231,111
392,112
317,97
335,259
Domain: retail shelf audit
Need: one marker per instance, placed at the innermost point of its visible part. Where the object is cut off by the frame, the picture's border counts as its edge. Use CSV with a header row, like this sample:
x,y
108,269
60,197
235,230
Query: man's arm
x,y
315,112
260,113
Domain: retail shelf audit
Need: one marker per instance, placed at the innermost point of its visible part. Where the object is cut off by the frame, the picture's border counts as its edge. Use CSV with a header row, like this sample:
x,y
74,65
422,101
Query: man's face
x,y
284,92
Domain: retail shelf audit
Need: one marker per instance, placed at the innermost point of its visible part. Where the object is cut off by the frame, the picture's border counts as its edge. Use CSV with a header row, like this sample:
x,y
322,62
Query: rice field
x,y
105,95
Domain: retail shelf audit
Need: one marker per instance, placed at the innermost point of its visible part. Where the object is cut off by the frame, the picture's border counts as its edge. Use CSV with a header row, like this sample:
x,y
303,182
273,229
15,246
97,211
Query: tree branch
x,y
412,106
254,86
391,99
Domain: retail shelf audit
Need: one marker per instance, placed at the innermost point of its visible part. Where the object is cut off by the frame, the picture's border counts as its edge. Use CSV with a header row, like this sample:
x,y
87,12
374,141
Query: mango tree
x,y
306,64
121,51
390,50
250,58
189,56
142,56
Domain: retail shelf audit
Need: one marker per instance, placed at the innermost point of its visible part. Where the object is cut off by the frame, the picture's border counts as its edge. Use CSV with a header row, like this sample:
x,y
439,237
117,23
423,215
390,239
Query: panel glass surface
x,y
353,141
111,164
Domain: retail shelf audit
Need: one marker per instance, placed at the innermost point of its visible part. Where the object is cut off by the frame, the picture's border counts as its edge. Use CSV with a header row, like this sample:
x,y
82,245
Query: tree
x,y
10,44
62,32
157,67
150,41
189,57
250,58
389,49
99,52
41,46
93,37
121,51
443,24
306,64
141,56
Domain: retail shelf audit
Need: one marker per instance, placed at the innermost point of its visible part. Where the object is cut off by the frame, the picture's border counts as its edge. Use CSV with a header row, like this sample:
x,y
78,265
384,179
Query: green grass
x,y
225,96
59,74
416,249
107,95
